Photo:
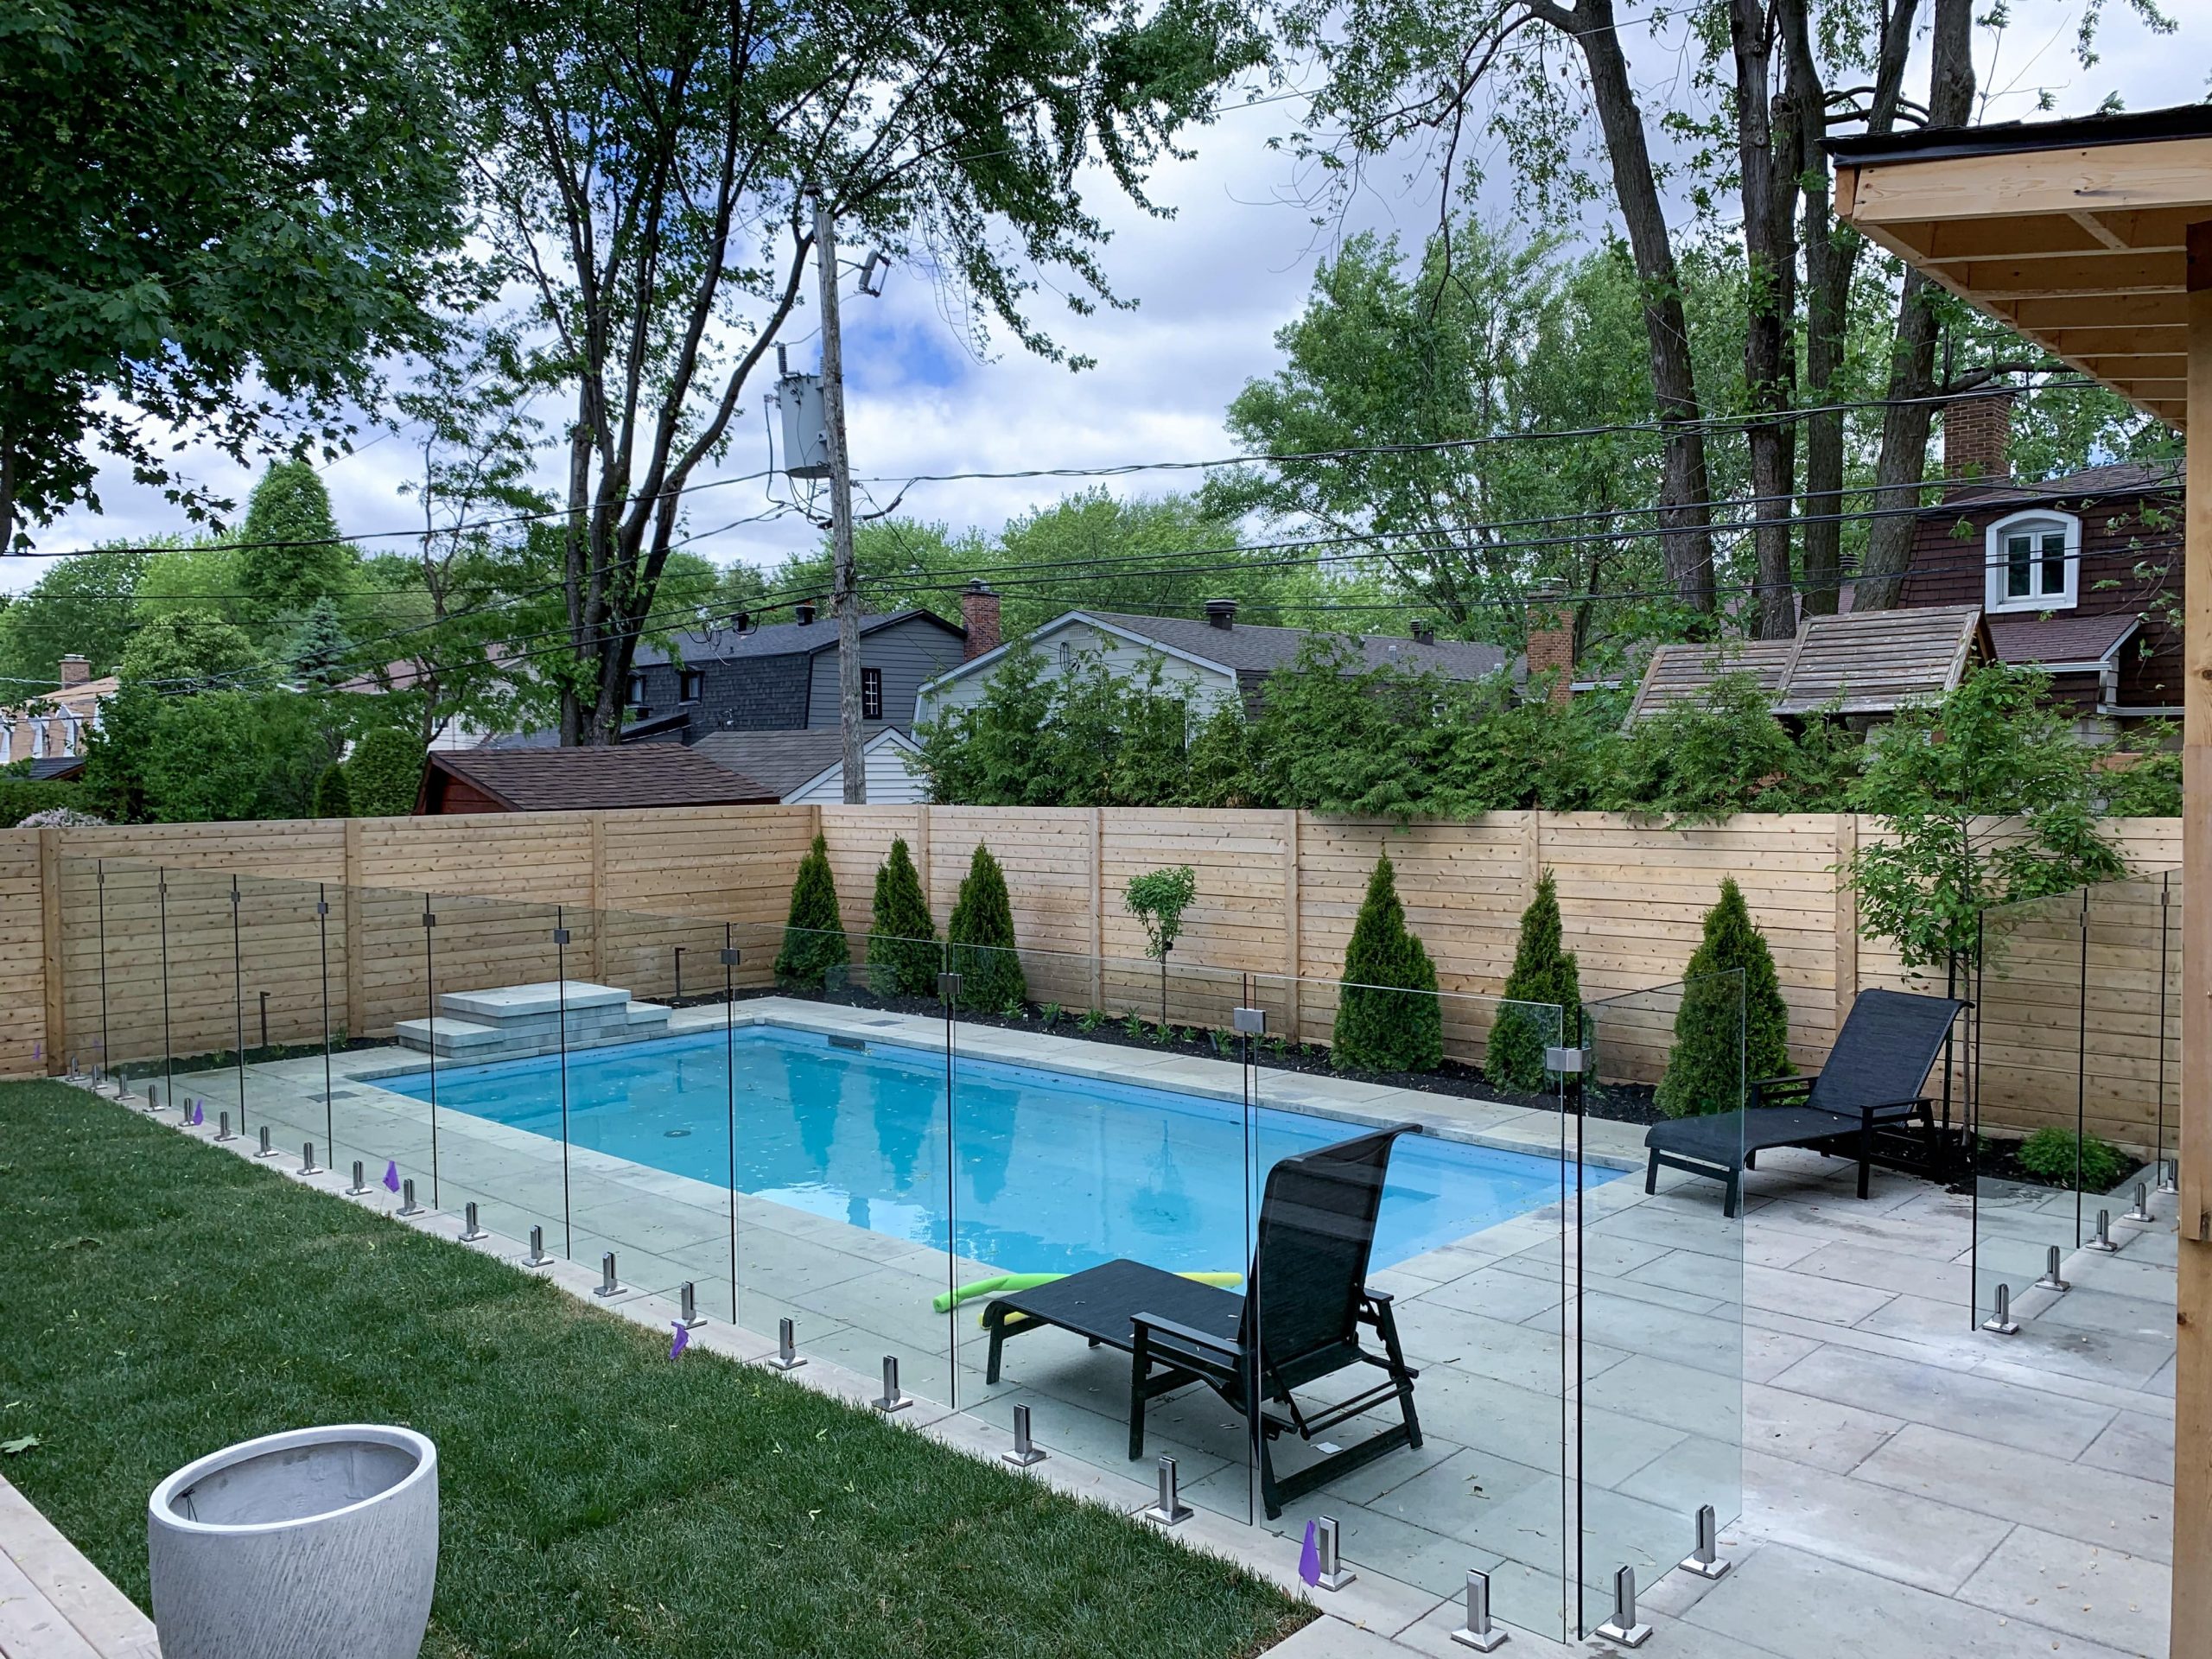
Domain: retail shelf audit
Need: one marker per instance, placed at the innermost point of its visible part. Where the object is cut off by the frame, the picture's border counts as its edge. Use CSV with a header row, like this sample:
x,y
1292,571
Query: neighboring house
x,y
562,780
809,767
408,675
55,726
1210,661
1868,664
783,676
2082,574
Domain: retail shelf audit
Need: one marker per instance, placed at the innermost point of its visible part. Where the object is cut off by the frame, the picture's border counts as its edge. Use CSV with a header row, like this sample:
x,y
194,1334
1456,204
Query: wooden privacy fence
x,y
1277,894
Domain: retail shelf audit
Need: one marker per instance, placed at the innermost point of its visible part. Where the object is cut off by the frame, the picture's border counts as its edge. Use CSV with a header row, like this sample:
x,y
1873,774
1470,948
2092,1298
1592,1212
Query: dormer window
x,y
693,682
634,693
2035,562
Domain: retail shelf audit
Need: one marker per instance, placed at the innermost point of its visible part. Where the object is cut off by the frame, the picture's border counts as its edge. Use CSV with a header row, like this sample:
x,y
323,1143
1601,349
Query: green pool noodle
x,y
944,1301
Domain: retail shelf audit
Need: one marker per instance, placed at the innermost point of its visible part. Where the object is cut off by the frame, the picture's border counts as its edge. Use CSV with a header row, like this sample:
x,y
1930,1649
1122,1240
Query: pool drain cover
x,y
675,1134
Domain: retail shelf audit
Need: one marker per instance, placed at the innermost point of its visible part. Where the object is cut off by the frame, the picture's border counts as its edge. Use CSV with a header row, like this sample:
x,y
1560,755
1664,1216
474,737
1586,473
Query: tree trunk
x,y
1902,462
1767,146
1831,266
1685,517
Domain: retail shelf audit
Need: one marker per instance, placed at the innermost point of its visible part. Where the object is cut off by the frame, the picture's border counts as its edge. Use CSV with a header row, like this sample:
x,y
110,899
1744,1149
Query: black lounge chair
x,y
1309,1298
1872,1081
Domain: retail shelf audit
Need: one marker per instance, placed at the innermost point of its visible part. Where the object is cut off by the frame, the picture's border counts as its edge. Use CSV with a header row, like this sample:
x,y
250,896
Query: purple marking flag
x,y
1309,1557
683,1340
391,1176
199,1114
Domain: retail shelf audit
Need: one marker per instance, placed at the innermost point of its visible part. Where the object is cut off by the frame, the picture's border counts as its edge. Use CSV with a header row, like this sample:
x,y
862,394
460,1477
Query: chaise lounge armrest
x,y
1149,1324
1781,1091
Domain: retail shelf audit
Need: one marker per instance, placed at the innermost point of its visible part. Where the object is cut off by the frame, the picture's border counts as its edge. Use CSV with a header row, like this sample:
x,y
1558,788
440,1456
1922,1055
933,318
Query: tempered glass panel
x,y
1467,1247
1659,1277
842,1100
2029,1096
111,971
1091,1133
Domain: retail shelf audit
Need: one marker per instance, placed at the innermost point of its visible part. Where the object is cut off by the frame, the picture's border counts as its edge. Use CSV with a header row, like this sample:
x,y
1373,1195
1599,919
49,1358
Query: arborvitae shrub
x,y
902,952
385,773
1387,1017
1732,1025
333,799
814,933
1544,973
981,934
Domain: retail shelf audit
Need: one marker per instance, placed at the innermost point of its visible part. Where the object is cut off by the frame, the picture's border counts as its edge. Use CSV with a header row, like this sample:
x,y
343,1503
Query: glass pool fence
x,y
1375,1260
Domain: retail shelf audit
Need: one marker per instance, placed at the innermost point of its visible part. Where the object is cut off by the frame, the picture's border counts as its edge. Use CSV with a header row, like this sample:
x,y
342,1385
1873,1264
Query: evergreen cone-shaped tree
x,y
333,799
981,932
1732,1024
1544,973
902,952
1387,1017
814,933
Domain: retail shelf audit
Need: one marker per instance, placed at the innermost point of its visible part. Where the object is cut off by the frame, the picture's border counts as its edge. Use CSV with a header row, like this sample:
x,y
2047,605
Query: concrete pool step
x,y
517,1021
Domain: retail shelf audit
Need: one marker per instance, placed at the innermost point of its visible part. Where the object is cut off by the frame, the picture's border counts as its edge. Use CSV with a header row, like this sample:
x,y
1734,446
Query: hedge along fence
x,y
1277,894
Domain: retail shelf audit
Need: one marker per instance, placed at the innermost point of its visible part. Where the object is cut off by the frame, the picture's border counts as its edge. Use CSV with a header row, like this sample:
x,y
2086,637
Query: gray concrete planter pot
x,y
321,1543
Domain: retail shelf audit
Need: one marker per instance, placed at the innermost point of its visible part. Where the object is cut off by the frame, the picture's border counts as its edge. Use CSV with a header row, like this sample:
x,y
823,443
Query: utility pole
x,y
845,600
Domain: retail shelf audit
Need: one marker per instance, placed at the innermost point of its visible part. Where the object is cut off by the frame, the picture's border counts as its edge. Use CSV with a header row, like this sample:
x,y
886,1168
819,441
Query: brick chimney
x,y
1551,640
75,670
979,614
1976,431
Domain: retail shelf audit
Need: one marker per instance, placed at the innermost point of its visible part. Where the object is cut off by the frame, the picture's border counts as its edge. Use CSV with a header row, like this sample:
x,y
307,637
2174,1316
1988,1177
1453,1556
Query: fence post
x,y
356,994
1097,906
1291,943
598,887
53,972
1847,920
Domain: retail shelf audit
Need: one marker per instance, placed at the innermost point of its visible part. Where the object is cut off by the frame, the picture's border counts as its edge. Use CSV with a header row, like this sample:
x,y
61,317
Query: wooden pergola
x,y
2093,237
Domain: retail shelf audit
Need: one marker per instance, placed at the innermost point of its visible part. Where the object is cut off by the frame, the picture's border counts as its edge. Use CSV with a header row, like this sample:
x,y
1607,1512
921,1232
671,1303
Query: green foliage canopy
x,y
1989,798
221,215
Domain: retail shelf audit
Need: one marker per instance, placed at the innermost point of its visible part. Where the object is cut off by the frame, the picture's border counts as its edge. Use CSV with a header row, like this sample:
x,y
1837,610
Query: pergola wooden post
x,y
2093,238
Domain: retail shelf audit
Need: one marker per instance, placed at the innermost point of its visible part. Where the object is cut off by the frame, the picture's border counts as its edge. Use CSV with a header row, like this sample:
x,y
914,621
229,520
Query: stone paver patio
x,y
1908,1485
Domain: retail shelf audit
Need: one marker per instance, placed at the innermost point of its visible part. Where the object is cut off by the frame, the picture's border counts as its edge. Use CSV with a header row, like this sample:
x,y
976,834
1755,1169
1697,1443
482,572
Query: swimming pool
x,y
1055,1172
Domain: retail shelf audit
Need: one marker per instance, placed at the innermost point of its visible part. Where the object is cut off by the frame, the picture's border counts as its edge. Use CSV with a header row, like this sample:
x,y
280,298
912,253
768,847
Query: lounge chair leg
x,y
1400,1373
1750,1160
1140,1370
1865,1157
1651,1174
1731,1198
991,1366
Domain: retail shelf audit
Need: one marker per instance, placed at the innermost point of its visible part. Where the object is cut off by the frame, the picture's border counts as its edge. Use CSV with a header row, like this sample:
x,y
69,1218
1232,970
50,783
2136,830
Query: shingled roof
x,y
1869,663
559,780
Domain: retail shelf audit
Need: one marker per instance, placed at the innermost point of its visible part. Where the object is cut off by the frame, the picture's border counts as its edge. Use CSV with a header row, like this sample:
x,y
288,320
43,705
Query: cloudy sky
x,y
1213,283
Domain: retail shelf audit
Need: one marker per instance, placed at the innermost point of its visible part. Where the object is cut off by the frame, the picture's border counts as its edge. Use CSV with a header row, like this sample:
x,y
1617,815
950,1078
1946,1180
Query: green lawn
x,y
161,1299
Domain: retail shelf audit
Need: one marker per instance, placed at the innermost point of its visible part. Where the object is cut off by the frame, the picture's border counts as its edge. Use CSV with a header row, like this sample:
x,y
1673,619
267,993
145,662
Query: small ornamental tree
x,y
1544,973
333,799
1387,1017
1158,899
814,933
1732,1026
902,952
981,934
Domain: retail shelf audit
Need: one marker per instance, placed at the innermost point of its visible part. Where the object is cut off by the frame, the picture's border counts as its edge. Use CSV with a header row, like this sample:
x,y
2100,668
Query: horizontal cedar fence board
x,y
1277,892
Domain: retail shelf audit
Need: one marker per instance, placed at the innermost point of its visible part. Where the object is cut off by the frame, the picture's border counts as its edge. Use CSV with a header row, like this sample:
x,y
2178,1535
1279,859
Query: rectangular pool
x,y
1054,1171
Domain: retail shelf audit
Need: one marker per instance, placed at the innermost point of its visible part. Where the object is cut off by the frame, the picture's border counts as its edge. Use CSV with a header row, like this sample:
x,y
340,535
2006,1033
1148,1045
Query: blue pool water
x,y
1055,1173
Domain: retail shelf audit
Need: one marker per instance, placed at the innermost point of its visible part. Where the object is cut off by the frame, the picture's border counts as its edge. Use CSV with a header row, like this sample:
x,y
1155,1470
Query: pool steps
x,y
518,1022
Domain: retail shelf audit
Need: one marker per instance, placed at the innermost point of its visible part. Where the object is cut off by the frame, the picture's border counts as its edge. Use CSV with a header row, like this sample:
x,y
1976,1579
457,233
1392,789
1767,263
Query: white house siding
x,y
1201,688
889,783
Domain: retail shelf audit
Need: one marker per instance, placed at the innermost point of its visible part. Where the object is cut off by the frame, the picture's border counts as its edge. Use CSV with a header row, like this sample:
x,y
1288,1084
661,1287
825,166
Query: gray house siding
x,y
910,654
794,689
